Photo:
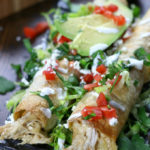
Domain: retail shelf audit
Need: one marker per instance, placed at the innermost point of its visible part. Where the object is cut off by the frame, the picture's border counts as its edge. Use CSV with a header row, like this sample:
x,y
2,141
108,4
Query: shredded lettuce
x,y
15,99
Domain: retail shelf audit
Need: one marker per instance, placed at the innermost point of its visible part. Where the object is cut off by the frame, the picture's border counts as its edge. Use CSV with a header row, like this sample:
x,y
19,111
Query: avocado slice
x,y
73,26
91,39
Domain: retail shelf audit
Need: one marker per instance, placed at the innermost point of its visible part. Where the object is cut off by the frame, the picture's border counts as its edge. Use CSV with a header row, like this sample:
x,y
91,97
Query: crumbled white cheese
x,y
113,121
95,64
95,94
47,91
10,119
62,70
97,47
47,112
85,71
74,116
61,94
73,108
61,143
119,42
144,35
66,61
107,30
76,65
144,21
124,49
49,62
138,64
23,80
110,59
66,125
82,80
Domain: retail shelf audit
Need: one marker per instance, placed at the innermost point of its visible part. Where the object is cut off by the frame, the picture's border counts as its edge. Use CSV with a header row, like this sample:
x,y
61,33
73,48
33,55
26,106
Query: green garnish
x,y
141,54
89,116
18,70
136,82
15,99
6,85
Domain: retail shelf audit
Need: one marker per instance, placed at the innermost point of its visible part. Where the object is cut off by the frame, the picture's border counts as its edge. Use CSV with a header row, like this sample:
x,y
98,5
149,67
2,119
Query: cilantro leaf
x,y
141,54
17,69
143,117
6,85
89,116
124,143
139,143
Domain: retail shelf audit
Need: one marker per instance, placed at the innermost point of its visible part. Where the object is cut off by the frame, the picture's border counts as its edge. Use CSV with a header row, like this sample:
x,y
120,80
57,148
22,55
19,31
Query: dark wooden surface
x,y
12,51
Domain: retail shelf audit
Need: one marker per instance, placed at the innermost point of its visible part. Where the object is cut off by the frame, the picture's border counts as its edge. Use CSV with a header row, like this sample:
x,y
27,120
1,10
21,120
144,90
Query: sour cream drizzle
x,y
144,35
95,48
107,30
111,59
144,22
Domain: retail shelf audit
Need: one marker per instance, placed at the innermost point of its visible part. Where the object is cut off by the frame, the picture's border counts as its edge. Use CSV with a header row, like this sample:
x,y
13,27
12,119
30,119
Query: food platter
x,y
11,144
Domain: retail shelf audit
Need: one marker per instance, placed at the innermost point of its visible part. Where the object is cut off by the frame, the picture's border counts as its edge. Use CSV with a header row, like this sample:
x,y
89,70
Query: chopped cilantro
x,y
141,54
18,70
89,116
6,85
136,82
136,10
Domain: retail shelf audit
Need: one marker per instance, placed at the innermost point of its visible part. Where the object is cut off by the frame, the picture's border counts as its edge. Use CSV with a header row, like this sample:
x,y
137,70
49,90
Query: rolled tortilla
x,y
100,134
32,116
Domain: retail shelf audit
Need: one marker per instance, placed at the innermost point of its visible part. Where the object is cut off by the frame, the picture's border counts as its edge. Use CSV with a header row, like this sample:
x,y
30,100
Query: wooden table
x,y
13,51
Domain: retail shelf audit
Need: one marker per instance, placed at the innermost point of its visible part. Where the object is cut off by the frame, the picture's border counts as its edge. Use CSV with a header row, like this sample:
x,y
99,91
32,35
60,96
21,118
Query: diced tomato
x,y
108,14
92,109
63,39
119,20
97,77
38,29
29,32
101,100
49,74
90,86
73,52
88,78
112,8
100,9
41,27
113,80
108,112
101,69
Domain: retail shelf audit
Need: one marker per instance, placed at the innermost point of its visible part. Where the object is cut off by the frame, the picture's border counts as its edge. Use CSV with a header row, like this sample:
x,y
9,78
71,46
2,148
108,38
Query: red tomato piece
x,y
63,39
109,112
41,27
29,32
119,20
101,100
108,14
113,80
88,78
49,74
113,8
90,86
92,109
101,69
97,78
100,9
